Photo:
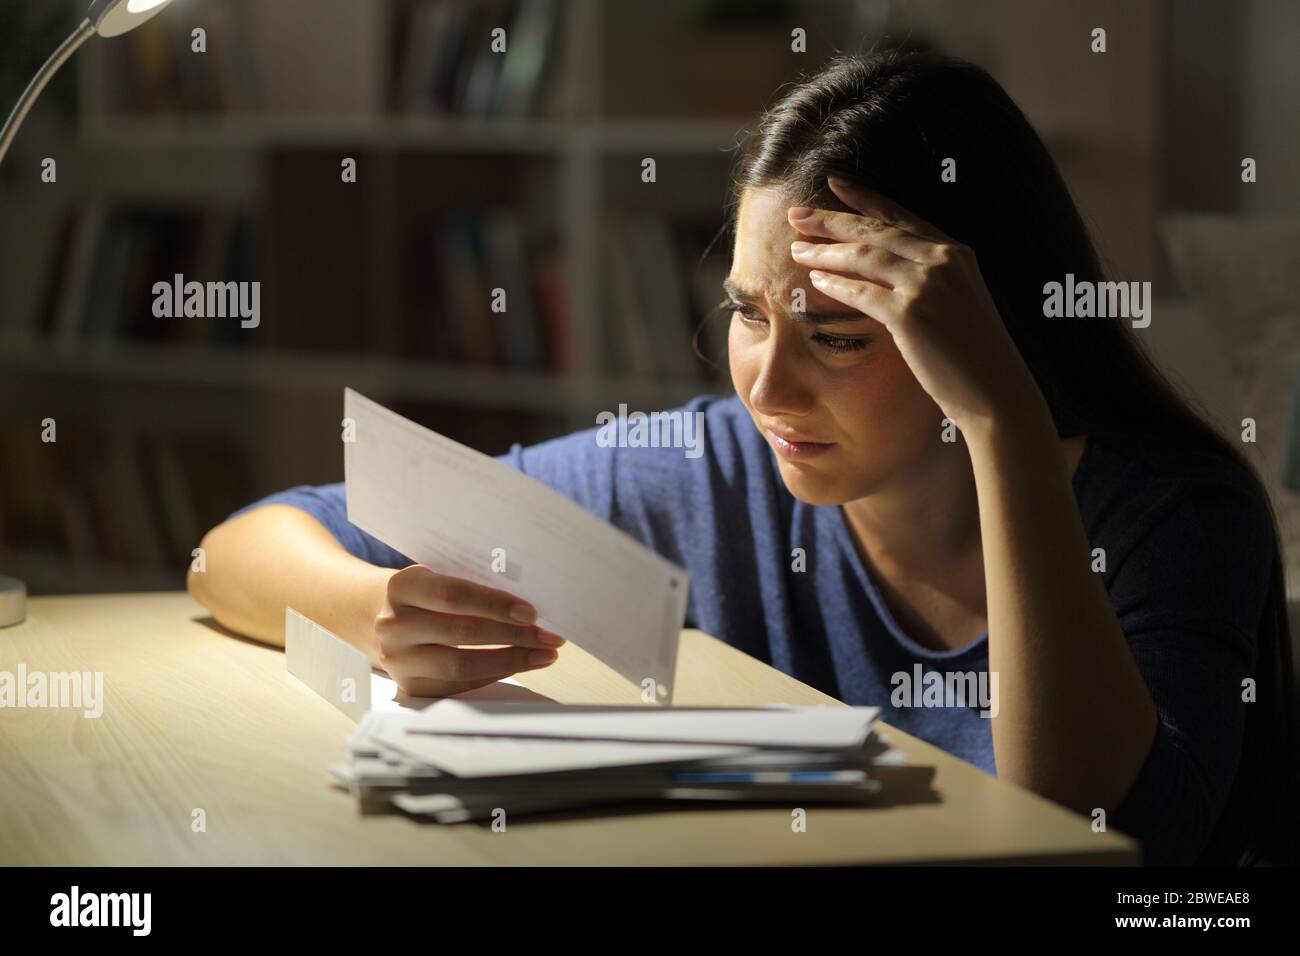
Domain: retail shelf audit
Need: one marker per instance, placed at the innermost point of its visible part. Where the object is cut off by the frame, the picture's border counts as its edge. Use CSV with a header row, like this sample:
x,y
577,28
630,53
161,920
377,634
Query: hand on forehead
x,y
765,274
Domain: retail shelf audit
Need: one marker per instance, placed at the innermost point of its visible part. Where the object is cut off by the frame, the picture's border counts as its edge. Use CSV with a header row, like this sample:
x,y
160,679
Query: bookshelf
x,y
572,139
267,156
252,146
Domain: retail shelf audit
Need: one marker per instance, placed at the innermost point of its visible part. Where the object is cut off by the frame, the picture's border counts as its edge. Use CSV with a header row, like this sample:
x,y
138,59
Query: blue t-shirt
x,y
1187,540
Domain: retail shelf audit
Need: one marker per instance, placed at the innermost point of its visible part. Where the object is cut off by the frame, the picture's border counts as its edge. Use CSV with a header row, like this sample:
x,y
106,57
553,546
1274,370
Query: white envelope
x,y
773,727
468,757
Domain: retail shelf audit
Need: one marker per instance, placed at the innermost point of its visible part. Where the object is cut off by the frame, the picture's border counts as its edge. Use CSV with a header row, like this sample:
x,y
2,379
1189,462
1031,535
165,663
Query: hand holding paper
x,y
442,635
465,515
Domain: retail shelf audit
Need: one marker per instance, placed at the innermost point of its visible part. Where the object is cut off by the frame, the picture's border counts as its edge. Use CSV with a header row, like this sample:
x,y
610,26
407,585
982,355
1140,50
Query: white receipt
x,y
460,512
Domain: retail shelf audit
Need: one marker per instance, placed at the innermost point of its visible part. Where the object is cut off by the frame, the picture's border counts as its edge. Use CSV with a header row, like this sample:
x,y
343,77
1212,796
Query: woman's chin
x,y
813,487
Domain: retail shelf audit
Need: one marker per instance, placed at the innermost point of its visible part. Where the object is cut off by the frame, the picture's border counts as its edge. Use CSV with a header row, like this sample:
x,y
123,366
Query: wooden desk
x,y
196,718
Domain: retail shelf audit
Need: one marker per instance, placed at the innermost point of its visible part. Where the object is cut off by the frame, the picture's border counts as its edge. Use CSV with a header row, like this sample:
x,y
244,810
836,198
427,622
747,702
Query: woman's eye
x,y
832,343
746,313
836,343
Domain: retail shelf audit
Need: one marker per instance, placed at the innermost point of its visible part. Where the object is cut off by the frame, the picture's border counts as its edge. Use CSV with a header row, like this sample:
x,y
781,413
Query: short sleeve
x,y
328,505
1189,592
572,465
639,490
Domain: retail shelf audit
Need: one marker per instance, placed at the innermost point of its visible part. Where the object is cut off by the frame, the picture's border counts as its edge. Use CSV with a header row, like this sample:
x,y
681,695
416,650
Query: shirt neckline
x,y
845,538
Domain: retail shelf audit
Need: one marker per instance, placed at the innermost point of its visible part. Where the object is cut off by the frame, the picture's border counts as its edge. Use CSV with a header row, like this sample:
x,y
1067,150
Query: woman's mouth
x,y
797,447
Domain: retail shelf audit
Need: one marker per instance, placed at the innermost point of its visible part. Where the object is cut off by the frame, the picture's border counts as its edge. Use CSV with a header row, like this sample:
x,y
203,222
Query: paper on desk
x,y
330,666
450,508
453,808
387,740
774,727
456,808
468,757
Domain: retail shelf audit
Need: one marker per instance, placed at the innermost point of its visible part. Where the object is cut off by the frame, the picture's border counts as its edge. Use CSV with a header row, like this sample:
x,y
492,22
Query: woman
x,y
919,472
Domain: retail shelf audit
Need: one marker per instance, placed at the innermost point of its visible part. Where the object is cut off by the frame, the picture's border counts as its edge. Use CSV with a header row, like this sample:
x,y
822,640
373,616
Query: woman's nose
x,y
780,387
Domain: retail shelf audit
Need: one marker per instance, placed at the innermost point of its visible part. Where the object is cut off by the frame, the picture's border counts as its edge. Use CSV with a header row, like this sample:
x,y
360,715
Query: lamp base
x,y
13,601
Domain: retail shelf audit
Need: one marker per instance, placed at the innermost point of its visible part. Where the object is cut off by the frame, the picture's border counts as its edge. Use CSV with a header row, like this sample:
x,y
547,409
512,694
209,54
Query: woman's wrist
x,y
368,597
1014,424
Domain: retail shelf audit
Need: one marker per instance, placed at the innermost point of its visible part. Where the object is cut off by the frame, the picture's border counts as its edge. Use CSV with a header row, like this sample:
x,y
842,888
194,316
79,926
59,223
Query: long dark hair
x,y
888,120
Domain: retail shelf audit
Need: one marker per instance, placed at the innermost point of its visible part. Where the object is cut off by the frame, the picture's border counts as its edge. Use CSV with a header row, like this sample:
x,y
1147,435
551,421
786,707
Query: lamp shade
x,y
115,17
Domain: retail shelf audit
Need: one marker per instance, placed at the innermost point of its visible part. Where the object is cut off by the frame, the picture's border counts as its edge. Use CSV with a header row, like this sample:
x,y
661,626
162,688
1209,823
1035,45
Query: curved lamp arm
x,y
34,88
108,18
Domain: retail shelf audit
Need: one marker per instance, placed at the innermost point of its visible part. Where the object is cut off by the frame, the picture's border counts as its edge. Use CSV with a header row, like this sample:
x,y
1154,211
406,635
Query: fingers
x,y
871,262
418,586
410,626
851,228
874,301
418,686
431,687
876,205
451,665
432,628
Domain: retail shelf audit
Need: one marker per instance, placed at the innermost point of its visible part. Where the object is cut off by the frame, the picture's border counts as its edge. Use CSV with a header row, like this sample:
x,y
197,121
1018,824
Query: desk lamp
x,y
108,18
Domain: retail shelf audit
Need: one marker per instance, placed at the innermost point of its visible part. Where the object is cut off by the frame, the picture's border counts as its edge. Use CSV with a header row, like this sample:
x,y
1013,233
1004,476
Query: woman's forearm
x,y
1075,719
276,556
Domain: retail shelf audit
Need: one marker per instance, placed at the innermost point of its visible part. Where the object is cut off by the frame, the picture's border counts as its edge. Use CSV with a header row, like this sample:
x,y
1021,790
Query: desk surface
x,y
196,718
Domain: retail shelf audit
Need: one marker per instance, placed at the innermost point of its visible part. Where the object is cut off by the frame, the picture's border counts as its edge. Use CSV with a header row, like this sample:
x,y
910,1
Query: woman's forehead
x,y
762,216
761,261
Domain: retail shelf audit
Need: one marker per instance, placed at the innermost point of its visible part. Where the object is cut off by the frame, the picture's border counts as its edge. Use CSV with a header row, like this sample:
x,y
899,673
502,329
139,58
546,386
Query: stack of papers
x,y
462,760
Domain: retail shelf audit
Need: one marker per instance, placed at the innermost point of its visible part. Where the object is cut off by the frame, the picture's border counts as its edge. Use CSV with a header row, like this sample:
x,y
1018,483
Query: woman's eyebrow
x,y
738,294
734,291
